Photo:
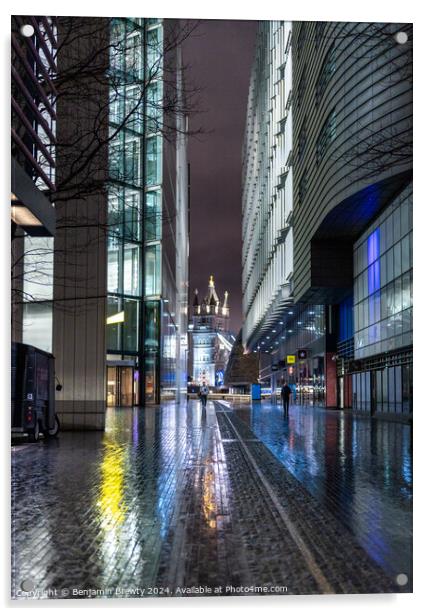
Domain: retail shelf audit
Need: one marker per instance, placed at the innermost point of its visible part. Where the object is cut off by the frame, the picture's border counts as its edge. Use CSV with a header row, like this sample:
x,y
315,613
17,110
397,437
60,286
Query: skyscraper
x,y
338,305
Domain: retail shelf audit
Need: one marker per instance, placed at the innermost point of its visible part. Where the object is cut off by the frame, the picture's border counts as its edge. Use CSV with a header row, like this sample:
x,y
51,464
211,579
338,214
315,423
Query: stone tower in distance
x,y
210,337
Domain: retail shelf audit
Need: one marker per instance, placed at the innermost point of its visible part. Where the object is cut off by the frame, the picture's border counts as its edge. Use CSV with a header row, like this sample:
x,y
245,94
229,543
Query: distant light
x,y
115,318
190,326
267,337
290,331
22,216
281,322
166,301
290,312
273,331
27,30
299,323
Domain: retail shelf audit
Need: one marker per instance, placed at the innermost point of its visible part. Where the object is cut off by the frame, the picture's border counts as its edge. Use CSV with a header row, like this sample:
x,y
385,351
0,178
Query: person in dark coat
x,y
203,394
285,396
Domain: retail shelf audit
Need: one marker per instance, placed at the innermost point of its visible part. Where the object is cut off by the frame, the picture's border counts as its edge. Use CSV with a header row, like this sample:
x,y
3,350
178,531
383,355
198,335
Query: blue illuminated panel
x,y
373,251
373,254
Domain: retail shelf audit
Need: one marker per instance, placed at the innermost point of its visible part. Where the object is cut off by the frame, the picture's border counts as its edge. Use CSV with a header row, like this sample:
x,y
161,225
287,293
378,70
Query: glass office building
x,y
383,305
143,323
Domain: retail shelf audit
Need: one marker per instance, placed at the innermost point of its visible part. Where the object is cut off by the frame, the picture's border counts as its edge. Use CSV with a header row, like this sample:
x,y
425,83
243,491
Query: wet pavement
x,y
173,502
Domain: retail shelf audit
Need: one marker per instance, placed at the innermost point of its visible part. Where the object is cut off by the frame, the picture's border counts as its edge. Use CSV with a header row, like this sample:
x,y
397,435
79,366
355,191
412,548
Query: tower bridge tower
x,y
211,339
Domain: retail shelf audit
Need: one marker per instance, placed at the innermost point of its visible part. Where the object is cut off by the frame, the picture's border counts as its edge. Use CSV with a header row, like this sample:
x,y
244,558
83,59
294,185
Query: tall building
x,y
33,130
211,340
348,330
119,280
267,247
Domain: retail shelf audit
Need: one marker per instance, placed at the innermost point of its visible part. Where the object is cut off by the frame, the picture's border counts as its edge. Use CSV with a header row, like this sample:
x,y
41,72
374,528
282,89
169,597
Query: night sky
x,y
219,56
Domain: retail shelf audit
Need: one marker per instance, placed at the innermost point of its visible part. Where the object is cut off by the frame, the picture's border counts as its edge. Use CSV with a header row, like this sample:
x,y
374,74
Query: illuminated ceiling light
x,y
273,331
299,323
267,337
22,216
290,331
115,318
290,312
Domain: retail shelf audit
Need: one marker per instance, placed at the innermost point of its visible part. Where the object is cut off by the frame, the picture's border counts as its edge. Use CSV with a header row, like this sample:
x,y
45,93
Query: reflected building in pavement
x,y
346,318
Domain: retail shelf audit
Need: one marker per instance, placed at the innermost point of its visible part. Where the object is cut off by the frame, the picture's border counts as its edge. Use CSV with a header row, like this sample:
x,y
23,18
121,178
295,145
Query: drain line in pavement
x,y
314,568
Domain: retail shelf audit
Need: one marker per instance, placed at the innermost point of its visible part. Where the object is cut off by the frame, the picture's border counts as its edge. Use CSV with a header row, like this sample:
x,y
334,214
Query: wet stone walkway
x,y
174,502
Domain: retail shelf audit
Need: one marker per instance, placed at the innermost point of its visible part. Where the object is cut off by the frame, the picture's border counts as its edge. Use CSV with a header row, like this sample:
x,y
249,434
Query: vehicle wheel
x,y
34,436
55,430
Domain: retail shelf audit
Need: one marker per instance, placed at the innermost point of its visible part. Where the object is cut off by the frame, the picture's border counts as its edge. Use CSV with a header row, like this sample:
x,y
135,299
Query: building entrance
x,y
122,386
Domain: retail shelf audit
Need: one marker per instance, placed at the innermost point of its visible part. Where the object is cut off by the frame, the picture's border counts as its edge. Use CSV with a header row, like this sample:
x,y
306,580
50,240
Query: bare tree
x,y
102,89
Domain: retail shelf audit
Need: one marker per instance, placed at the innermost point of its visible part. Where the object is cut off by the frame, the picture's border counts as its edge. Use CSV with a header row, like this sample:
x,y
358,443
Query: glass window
x,y
389,231
154,53
382,270
152,270
132,214
154,107
113,330
390,264
37,325
153,161
113,265
134,52
131,269
397,224
397,295
38,268
405,217
132,149
153,215
134,105
397,259
115,211
405,253
131,312
406,291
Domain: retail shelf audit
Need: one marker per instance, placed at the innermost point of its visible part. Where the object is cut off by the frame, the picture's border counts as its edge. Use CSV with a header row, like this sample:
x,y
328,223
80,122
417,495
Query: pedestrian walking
x,y
285,396
203,393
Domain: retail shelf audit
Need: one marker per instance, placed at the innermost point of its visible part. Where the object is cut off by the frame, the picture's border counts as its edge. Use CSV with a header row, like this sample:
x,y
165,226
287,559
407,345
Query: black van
x,y
33,392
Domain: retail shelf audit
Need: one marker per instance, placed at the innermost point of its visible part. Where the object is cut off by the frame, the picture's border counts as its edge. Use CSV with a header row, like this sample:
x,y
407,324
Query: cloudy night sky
x,y
219,57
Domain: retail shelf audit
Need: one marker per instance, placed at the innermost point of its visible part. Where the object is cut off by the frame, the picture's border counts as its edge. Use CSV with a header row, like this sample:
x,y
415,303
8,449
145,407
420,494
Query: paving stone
x,y
168,498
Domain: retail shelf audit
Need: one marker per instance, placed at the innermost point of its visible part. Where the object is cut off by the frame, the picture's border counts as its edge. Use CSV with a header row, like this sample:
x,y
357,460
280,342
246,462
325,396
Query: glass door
x,y
120,388
111,386
126,385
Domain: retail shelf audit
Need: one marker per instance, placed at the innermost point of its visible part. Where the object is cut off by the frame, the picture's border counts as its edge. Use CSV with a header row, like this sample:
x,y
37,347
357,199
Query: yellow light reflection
x,y
112,486
209,505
